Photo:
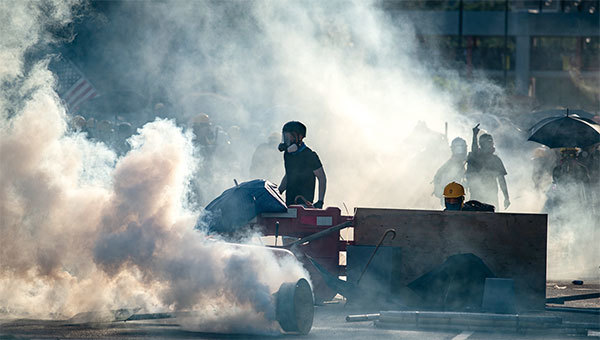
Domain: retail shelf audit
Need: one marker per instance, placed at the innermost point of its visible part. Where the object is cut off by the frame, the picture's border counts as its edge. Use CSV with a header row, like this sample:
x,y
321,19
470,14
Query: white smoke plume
x,y
359,88
357,79
82,230
76,219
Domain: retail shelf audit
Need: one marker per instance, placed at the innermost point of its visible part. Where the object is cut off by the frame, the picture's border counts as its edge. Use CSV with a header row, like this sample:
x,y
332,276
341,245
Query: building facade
x,y
548,49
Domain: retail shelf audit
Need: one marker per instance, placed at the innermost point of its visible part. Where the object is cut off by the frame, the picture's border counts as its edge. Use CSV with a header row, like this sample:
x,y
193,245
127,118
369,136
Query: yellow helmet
x,y
454,190
569,151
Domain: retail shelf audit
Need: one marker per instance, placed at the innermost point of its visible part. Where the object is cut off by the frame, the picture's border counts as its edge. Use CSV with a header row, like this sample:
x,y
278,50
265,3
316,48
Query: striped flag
x,y
73,87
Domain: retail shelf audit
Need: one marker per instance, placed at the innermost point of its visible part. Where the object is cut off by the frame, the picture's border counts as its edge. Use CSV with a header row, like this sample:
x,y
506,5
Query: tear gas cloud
x,y
83,230
359,81
78,219
360,89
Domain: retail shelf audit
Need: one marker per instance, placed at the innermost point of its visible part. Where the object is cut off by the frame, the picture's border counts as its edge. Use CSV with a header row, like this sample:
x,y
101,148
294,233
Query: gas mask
x,y
288,143
486,144
488,147
459,152
459,148
455,204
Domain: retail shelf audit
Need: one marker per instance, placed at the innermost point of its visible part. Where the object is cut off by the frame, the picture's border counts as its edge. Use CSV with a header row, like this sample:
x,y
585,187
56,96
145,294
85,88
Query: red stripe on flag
x,y
90,95
72,92
77,100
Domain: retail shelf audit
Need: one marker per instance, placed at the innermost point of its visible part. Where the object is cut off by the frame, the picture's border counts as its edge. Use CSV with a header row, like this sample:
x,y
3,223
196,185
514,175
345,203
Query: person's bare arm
x,y
283,184
474,146
504,188
320,173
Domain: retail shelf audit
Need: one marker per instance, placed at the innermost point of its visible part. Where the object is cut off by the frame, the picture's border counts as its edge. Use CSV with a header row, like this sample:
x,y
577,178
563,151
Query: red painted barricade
x,y
299,222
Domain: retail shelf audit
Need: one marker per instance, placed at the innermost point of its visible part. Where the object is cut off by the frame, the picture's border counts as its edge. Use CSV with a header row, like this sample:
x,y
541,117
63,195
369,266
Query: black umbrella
x,y
238,205
528,119
565,132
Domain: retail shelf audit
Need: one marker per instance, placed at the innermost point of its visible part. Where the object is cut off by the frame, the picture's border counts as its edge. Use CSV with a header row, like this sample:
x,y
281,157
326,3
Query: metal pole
x,y
389,231
505,61
320,234
460,25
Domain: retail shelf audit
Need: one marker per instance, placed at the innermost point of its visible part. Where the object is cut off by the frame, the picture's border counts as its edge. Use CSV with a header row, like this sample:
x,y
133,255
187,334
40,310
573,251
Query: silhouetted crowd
x,y
563,175
224,155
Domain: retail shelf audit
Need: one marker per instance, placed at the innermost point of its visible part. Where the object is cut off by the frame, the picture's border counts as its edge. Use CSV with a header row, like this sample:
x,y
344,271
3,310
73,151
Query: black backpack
x,y
477,206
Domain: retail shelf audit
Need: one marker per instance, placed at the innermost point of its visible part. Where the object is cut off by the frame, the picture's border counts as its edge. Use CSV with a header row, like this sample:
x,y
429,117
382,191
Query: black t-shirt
x,y
482,175
488,165
299,167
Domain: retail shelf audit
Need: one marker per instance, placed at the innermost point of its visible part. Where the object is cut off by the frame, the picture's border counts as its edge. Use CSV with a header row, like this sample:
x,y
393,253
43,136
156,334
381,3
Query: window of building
x,y
487,53
564,53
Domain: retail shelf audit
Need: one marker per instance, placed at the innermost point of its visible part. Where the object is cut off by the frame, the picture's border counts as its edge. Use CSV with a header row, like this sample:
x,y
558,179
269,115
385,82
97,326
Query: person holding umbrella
x,y
571,177
568,131
485,171
569,168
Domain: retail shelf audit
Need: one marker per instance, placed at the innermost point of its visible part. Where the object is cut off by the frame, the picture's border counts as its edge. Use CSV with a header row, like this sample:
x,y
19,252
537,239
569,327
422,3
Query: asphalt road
x,y
329,323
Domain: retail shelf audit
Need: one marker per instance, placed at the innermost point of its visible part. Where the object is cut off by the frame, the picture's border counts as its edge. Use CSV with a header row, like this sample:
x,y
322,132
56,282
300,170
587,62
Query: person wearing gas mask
x,y
453,170
302,165
454,200
485,171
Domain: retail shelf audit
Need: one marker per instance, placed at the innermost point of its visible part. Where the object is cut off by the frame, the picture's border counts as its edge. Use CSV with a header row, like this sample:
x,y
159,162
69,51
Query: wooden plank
x,y
511,245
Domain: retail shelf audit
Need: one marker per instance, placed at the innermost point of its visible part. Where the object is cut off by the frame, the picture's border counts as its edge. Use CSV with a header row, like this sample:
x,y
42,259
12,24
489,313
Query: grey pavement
x,y
329,323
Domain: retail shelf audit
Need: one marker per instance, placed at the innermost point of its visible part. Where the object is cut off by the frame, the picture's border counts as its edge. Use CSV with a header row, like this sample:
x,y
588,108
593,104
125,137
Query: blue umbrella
x,y
238,205
565,132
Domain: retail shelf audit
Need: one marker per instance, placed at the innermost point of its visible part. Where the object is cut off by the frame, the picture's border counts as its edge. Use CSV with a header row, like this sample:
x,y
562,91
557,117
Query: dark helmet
x,y
486,143
295,126
486,137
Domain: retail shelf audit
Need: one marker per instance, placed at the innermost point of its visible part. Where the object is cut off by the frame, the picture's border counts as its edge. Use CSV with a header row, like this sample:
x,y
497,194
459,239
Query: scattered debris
x,y
561,300
574,310
362,317
478,321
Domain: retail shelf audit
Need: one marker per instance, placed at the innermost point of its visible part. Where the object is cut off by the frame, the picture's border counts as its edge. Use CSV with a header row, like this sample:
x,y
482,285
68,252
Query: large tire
x,y
295,307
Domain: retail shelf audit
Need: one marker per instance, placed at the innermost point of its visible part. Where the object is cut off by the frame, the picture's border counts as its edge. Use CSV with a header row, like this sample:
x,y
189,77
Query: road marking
x,y
463,336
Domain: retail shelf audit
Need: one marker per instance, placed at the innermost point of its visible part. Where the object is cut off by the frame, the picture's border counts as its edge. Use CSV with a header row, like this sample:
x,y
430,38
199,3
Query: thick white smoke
x,y
357,79
75,217
345,69
82,230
